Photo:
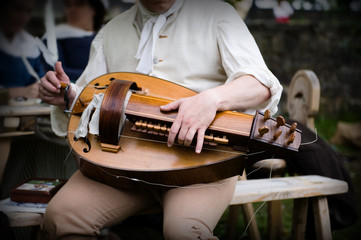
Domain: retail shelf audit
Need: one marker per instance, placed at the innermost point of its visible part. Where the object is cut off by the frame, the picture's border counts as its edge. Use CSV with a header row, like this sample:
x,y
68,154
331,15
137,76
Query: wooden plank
x,y
16,134
299,220
322,218
275,223
24,219
271,189
35,110
232,219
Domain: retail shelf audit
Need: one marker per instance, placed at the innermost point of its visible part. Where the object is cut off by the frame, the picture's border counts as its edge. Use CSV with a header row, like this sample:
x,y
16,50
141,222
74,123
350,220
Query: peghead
x,y
277,135
267,115
280,121
263,130
293,127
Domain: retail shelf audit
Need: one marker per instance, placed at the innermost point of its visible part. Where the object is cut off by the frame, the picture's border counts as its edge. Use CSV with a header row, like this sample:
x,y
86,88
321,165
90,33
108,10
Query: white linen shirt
x,y
203,45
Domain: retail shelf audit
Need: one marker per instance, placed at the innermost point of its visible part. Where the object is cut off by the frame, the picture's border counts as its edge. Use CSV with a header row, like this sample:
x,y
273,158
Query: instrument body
x,y
141,155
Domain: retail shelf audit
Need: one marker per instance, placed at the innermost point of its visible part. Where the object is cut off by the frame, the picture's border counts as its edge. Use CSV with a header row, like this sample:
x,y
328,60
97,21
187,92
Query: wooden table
x,y
15,113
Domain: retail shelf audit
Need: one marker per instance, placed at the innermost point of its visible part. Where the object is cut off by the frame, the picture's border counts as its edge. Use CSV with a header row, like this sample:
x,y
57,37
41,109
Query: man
x,y
203,45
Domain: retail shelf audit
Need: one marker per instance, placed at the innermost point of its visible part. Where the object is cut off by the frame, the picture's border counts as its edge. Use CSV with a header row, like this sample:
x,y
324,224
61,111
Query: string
x,y
263,203
249,223
165,185
71,150
160,184
307,143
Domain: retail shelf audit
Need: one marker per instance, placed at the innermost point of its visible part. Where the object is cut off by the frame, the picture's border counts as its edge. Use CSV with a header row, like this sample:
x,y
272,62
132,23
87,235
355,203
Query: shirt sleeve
x,y
96,67
241,56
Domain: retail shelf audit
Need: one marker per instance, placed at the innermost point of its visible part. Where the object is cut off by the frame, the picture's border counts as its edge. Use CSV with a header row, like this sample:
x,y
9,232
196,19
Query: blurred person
x,y
83,19
20,60
283,11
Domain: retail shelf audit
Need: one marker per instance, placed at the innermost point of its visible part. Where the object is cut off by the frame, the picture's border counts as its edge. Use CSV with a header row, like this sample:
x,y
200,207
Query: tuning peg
x,y
267,115
280,121
293,127
291,139
222,140
277,135
263,130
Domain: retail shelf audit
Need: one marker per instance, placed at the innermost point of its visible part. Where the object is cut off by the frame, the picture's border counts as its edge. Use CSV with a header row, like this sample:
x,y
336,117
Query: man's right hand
x,y
50,88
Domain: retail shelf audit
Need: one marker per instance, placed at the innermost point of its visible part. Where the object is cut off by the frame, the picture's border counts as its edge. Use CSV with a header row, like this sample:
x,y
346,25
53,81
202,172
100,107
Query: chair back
x,y
304,97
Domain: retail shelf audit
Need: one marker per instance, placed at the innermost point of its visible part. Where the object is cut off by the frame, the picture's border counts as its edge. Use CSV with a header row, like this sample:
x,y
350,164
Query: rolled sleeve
x,y
241,56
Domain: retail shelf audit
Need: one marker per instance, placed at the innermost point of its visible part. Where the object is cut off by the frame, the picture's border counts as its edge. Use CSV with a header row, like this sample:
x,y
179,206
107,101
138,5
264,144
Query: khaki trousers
x,y
83,207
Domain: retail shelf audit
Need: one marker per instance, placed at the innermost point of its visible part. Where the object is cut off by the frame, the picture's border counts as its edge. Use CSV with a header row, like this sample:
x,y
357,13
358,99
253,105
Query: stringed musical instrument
x,y
133,151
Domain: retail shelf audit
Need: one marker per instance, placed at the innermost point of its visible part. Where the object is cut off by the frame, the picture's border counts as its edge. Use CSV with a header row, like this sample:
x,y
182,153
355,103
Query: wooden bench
x,y
303,189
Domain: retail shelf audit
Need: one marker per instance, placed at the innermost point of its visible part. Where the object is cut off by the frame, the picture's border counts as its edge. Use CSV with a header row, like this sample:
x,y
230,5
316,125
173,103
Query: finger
x,y
189,137
200,139
50,82
44,92
171,106
173,132
182,134
60,73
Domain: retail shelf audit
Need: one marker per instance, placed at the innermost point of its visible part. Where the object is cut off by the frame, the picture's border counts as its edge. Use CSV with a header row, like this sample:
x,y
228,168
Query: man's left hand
x,y
195,114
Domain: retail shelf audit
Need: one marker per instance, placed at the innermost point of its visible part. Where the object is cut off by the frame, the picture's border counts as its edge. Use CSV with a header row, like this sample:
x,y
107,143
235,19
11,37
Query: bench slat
x,y
271,189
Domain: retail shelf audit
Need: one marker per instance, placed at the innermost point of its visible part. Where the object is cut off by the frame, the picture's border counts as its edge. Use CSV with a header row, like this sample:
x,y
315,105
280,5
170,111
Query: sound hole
x,y
86,141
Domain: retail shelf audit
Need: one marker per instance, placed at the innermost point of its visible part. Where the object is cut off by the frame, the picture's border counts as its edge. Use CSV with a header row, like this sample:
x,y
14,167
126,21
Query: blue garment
x,y
74,54
13,72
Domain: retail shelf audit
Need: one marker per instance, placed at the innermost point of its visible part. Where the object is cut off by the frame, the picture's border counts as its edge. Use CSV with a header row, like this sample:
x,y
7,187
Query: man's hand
x,y
195,114
50,88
